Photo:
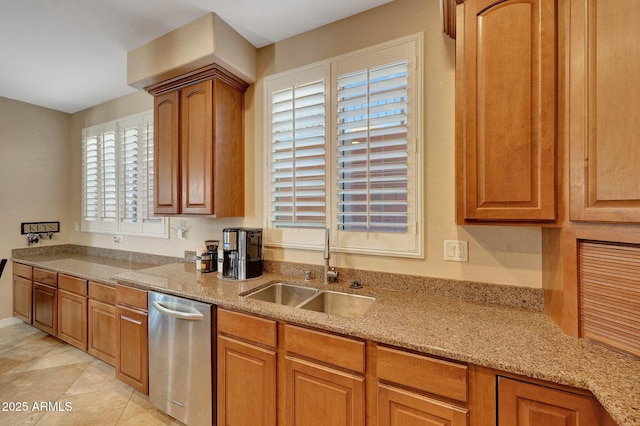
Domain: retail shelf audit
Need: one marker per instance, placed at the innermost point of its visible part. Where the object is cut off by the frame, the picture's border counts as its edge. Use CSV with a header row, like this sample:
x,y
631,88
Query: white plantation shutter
x,y
129,175
298,156
118,176
372,130
361,174
109,210
90,180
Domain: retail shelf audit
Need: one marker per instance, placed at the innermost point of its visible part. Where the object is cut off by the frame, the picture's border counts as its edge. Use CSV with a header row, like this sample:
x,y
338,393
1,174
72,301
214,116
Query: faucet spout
x,y
330,274
327,254
327,242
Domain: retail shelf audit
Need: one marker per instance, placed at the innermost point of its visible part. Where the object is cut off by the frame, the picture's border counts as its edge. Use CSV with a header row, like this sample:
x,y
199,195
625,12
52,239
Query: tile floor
x,y
61,385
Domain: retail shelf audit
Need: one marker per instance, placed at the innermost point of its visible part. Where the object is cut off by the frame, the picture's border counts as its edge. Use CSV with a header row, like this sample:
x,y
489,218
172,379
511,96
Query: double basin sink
x,y
329,302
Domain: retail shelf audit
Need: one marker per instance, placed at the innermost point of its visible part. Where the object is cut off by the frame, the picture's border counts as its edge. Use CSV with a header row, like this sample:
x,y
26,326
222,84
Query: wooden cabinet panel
x,y
507,149
72,284
132,362
314,392
22,299
397,407
246,384
228,112
527,404
133,297
603,131
45,308
166,151
23,271
196,148
248,327
72,318
102,293
336,350
443,378
45,277
102,331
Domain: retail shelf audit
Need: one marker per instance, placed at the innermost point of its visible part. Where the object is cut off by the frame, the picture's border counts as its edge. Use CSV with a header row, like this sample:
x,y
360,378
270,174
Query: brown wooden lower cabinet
x,y
132,354
523,404
102,331
22,298
72,319
399,407
132,363
45,308
246,370
246,384
317,394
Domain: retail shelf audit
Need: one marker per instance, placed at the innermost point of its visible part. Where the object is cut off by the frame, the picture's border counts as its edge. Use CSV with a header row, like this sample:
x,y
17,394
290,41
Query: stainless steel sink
x,y
341,304
284,294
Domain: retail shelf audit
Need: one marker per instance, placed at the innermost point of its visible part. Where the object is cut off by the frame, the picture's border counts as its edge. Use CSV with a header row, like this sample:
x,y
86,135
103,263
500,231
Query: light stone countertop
x,y
516,340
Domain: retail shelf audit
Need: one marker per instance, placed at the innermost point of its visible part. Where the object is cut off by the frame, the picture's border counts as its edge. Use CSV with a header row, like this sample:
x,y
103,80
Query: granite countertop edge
x,y
511,339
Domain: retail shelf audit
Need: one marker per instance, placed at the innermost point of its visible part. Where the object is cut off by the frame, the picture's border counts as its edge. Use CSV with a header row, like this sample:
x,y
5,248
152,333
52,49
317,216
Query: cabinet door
x,y
72,319
45,308
132,362
397,407
507,151
246,384
102,331
316,394
526,404
604,99
166,152
196,148
22,299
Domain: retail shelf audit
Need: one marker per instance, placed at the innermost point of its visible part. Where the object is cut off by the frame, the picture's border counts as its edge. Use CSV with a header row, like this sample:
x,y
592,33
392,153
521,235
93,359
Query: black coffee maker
x,y
242,253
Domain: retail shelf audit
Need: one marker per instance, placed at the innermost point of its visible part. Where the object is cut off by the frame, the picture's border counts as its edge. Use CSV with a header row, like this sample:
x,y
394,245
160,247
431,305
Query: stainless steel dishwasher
x,y
180,358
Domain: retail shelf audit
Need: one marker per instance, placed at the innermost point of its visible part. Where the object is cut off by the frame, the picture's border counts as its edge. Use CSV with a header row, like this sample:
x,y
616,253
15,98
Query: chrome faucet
x,y
330,275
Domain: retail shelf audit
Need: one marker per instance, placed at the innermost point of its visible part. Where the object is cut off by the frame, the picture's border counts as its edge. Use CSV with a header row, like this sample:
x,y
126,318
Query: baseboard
x,y
6,322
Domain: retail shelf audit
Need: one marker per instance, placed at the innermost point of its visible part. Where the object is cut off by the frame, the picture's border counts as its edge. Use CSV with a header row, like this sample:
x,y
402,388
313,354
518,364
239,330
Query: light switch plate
x,y
456,251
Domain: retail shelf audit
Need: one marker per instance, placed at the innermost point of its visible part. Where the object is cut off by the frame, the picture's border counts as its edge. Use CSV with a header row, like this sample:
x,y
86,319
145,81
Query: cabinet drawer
x,y
335,350
248,327
443,378
72,284
45,277
102,293
131,297
22,270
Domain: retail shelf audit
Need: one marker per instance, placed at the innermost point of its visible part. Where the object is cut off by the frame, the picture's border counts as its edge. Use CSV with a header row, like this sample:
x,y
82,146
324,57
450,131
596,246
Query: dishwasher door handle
x,y
189,316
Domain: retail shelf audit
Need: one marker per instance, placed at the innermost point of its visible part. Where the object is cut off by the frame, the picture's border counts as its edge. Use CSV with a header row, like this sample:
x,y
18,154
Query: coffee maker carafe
x,y
242,253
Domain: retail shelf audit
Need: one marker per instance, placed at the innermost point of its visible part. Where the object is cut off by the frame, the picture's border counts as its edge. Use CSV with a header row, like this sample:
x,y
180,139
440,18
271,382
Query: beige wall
x,y
503,255
34,179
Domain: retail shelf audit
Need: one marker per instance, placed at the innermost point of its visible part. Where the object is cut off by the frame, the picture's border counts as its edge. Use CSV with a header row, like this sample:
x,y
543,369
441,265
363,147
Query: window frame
x,y
146,224
407,245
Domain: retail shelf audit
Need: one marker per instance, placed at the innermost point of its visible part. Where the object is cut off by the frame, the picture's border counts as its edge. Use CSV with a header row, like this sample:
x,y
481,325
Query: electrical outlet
x,y
456,251
118,239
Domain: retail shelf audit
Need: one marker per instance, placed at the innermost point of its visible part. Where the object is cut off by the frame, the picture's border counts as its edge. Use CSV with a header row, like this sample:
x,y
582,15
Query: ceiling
x,y
69,55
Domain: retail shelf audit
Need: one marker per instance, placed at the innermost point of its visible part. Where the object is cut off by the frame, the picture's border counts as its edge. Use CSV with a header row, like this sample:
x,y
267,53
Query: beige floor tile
x,y
140,412
47,384
99,376
94,408
23,355
35,387
64,355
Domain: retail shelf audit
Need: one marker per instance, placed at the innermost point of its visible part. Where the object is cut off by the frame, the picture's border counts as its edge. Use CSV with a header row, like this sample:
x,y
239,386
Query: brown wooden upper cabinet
x,y
604,101
506,111
199,144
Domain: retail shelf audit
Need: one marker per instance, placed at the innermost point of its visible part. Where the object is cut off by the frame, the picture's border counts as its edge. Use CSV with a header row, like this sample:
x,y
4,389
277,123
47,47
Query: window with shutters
x,y
345,153
117,170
